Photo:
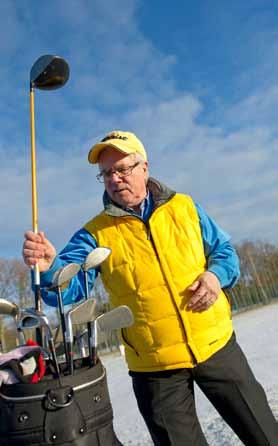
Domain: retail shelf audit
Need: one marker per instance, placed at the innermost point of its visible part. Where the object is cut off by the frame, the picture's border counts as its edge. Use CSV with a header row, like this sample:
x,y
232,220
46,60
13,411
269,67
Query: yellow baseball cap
x,y
125,142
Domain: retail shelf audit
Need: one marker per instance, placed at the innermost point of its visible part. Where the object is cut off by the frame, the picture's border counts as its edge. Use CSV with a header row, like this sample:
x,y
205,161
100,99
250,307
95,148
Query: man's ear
x,y
145,166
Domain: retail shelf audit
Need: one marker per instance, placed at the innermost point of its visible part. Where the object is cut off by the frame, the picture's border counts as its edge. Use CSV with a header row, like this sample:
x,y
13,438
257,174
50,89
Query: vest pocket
x,y
127,344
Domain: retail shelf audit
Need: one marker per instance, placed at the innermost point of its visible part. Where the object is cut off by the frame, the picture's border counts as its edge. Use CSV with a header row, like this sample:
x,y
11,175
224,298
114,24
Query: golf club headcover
x,y
40,370
23,364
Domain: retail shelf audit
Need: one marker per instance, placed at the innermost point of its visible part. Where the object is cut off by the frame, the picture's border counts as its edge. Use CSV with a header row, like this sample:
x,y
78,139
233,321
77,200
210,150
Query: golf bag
x,y
76,413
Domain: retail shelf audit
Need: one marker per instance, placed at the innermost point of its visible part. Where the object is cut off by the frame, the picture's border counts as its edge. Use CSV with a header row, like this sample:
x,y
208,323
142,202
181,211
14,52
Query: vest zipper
x,y
150,238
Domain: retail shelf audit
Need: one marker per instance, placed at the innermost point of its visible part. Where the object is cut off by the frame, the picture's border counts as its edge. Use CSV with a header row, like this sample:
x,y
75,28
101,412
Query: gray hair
x,y
137,157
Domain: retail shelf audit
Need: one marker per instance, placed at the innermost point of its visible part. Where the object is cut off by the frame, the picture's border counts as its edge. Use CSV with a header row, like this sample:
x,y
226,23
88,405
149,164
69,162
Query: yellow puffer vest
x,y
149,270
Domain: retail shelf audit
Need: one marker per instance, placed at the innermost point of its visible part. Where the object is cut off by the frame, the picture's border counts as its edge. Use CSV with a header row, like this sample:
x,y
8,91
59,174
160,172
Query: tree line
x,y
258,285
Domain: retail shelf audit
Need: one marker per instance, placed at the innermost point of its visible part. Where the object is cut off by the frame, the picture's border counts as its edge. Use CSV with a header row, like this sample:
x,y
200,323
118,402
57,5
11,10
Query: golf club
x,y
93,260
32,318
8,308
61,279
47,73
78,314
118,317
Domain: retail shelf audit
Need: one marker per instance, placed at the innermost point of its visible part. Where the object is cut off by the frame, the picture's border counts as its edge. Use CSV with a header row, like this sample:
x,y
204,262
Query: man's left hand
x,y
205,290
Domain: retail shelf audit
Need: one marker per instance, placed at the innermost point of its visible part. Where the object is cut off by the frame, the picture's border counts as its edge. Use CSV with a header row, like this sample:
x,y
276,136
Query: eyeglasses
x,y
121,172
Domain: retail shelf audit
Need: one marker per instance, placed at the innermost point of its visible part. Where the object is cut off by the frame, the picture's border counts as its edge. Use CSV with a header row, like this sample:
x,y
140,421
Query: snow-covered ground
x,y
256,332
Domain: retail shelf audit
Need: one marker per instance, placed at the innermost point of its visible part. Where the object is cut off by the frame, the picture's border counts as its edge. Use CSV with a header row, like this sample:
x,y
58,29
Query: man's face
x,y
127,191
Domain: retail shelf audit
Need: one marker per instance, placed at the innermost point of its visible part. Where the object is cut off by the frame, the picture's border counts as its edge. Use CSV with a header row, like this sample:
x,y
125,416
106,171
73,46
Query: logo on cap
x,y
107,138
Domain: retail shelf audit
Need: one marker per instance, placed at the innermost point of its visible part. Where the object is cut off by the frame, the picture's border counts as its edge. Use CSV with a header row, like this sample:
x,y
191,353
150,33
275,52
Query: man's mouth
x,y
118,191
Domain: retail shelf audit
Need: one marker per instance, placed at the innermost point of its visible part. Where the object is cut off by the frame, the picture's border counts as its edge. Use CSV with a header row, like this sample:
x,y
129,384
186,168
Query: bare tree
x,y
258,283
15,286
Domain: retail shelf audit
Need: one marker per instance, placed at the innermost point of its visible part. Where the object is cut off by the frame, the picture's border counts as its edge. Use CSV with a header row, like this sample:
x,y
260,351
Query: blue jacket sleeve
x,y
79,246
222,259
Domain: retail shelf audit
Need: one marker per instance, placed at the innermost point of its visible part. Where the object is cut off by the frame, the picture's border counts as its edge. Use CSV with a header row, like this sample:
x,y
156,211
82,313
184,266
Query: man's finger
x,y
42,236
203,305
195,303
31,236
35,253
198,296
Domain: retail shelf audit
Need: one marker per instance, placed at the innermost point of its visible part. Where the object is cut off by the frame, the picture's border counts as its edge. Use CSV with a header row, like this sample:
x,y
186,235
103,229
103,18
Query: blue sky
x,y
197,81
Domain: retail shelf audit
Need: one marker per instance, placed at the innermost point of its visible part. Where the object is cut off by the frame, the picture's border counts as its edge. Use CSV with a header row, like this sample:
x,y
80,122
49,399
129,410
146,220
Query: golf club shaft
x,y
70,356
63,324
54,358
37,290
89,324
94,343
80,344
69,341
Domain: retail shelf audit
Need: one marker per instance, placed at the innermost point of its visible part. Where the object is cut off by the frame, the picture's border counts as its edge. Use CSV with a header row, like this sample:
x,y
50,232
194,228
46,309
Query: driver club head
x,y
96,257
49,73
63,275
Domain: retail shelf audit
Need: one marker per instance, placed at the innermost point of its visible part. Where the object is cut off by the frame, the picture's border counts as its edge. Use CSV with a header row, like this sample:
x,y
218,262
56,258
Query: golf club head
x,y
25,312
8,308
119,317
84,312
63,275
95,258
32,318
49,72
80,314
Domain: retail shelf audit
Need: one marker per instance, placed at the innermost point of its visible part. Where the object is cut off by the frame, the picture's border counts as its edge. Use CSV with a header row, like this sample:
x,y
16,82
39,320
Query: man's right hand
x,y
37,249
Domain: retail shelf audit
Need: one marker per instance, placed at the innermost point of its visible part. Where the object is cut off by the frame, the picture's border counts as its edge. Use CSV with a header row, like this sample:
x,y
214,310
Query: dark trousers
x,y
166,401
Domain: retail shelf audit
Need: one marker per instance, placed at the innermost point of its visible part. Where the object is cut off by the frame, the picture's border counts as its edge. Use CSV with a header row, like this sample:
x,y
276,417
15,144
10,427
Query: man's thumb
x,y
194,286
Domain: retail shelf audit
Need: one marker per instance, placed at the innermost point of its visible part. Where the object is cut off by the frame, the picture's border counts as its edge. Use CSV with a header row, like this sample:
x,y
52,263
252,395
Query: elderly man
x,y
170,263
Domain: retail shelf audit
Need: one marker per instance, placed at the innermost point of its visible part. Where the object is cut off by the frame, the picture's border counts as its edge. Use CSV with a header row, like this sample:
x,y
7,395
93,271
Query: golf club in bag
x,y
32,318
61,279
77,315
92,261
114,319
119,317
8,308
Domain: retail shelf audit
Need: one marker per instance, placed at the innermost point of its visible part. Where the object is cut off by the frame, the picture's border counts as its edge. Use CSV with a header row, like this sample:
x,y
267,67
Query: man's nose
x,y
115,177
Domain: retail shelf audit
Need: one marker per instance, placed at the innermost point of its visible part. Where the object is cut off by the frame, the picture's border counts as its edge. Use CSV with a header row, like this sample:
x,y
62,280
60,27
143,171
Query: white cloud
x,y
259,108
120,80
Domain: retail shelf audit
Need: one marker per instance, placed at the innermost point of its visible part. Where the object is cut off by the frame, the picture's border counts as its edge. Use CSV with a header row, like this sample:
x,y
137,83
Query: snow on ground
x,y
256,332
